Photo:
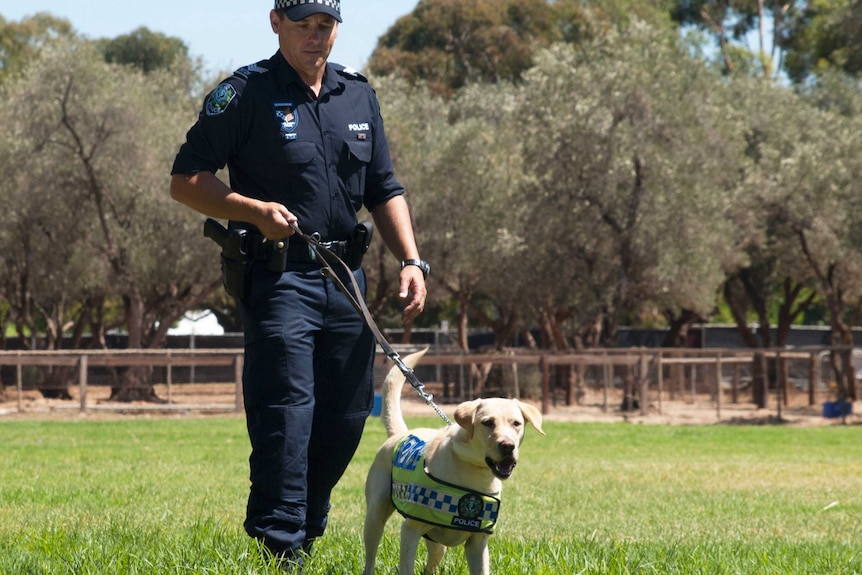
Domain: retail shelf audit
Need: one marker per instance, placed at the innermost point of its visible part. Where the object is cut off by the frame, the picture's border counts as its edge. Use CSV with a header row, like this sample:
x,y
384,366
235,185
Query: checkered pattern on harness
x,y
438,501
336,4
426,497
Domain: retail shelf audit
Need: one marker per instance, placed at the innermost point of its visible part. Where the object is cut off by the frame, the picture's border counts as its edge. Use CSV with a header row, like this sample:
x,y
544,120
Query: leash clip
x,y
312,246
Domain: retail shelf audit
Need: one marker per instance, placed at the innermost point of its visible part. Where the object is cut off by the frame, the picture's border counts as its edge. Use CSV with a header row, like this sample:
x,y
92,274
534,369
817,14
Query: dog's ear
x,y
464,414
531,414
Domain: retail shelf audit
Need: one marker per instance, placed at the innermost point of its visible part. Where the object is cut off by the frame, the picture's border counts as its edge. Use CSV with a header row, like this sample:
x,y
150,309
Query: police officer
x,y
304,143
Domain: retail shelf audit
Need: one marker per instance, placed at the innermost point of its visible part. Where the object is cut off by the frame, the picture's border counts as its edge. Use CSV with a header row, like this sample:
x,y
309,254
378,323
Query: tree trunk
x,y
463,318
135,383
57,383
677,334
630,400
842,362
407,333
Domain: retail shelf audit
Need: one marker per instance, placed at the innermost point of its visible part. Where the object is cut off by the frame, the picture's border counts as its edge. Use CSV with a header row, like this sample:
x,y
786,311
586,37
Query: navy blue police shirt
x,y
323,158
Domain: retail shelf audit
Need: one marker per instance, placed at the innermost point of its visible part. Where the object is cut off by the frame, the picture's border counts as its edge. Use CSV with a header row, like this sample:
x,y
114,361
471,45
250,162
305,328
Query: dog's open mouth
x,y
502,469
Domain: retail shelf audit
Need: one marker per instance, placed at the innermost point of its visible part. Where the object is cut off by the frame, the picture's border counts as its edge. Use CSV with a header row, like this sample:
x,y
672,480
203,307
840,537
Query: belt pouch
x,y
277,260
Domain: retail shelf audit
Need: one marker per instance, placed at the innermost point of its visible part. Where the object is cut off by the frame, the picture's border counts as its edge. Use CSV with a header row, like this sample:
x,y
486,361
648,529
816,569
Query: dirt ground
x,y
197,400
678,412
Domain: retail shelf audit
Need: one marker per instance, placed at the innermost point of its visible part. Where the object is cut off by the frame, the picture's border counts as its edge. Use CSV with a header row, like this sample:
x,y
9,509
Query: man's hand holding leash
x,y
412,291
275,221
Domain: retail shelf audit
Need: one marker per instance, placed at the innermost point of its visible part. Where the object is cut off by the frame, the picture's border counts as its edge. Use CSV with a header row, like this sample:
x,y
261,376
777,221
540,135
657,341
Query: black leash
x,y
326,257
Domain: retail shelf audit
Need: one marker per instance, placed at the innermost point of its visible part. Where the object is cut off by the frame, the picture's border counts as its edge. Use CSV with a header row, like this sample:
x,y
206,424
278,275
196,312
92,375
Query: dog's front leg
x,y
476,552
411,533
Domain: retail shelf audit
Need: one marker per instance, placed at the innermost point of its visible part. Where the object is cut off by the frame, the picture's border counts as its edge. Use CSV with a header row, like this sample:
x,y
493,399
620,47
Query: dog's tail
x,y
390,411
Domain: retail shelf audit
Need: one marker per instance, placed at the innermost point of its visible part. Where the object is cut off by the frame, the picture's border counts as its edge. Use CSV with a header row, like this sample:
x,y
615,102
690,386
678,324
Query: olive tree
x,y
630,193
822,211
93,144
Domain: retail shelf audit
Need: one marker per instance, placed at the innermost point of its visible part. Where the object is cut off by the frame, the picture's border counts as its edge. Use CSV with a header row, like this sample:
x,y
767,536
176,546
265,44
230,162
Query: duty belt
x,y
299,252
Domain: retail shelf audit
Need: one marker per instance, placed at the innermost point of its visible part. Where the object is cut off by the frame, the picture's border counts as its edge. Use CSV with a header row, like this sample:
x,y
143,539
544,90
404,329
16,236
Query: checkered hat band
x,y
334,4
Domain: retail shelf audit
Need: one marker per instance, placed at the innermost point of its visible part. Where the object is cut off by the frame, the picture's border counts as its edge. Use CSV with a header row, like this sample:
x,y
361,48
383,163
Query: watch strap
x,y
421,264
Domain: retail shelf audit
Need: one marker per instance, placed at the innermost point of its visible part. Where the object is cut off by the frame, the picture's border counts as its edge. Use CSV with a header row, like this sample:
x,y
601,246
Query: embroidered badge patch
x,y
220,98
470,506
288,119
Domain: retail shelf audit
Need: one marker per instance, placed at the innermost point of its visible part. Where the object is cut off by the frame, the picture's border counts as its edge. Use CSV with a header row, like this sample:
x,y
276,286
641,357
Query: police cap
x,y
298,10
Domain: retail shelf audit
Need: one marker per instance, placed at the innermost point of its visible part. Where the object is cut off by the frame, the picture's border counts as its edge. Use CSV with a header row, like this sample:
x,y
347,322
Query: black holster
x,y
235,263
358,245
235,257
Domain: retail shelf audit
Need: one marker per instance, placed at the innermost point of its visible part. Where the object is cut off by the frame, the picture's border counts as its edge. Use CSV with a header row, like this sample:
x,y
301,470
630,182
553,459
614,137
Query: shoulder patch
x,y
220,98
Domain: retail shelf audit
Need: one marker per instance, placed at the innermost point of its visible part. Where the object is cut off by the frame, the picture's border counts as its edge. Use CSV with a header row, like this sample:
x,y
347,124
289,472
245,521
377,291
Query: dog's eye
x,y
517,423
488,422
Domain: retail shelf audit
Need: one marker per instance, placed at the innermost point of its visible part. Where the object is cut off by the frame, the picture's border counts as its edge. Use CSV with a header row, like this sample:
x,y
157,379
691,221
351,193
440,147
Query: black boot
x,y
293,564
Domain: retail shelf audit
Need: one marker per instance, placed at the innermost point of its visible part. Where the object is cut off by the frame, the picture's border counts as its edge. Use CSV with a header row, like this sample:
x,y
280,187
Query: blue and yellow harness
x,y
419,495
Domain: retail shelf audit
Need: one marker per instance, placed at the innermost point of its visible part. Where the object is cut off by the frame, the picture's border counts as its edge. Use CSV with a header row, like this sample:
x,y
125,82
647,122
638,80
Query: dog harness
x,y
418,495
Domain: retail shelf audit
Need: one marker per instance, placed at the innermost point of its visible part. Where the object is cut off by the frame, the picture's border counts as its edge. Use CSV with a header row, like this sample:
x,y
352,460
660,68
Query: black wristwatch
x,y
421,264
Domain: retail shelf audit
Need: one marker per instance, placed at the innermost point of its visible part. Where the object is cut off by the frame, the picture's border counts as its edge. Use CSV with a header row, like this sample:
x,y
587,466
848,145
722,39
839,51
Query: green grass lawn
x,y
167,496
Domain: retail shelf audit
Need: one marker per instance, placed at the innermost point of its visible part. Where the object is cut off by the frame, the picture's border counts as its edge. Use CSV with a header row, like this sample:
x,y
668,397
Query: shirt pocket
x,y
293,172
298,153
359,150
355,159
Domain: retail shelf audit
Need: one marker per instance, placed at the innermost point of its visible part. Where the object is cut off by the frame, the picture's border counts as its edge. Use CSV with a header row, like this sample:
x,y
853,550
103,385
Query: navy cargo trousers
x,y
308,390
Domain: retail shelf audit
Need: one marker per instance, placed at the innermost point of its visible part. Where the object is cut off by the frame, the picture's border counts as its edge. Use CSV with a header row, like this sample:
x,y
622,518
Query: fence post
x,y
607,375
644,385
546,383
735,391
82,381
170,378
580,379
718,386
237,375
813,377
692,371
20,374
779,382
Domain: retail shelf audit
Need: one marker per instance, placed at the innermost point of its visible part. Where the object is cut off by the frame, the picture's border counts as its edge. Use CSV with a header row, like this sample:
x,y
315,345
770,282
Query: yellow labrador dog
x,y
445,482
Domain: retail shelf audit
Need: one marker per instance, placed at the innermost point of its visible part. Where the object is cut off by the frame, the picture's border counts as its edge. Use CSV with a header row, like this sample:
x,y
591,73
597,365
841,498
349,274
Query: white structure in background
x,y
197,322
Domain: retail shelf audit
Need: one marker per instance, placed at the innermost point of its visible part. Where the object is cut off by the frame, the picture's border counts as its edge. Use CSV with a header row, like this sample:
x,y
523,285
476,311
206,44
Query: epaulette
x,y
349,72
252,69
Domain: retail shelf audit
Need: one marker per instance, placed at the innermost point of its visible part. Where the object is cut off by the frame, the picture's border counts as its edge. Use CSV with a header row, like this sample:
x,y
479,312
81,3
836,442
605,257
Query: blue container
x,y
378,405
833,409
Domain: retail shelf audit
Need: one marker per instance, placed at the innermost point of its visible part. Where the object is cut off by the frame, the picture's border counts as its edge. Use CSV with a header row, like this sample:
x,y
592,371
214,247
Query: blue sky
x,y
225,34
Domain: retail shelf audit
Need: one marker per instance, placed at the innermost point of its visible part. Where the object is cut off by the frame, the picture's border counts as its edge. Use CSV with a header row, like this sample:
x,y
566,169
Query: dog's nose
x,y
506,447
